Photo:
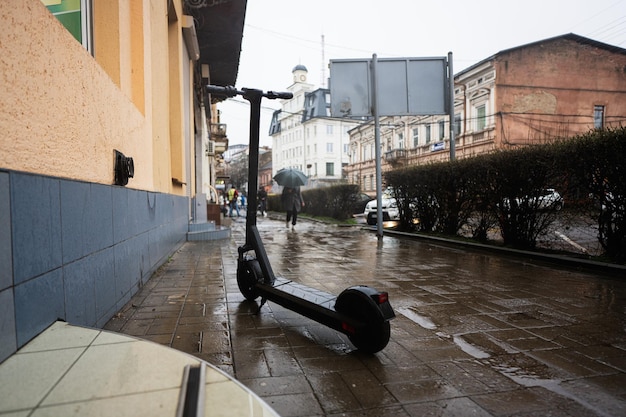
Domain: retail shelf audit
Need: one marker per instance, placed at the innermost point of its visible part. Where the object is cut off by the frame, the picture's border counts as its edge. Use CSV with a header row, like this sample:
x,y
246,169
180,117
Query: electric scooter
x,y
360,312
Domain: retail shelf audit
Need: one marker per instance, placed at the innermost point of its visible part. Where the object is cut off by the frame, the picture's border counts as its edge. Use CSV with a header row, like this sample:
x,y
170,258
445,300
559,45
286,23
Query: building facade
x,y
305,137
103,151
535,93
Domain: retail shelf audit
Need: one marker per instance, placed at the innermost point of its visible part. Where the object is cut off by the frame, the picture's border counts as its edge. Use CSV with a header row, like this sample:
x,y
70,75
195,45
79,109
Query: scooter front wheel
x,y
248,275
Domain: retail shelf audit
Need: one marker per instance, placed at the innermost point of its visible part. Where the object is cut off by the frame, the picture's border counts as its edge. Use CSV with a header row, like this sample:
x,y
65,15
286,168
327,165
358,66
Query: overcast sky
x,y
280,34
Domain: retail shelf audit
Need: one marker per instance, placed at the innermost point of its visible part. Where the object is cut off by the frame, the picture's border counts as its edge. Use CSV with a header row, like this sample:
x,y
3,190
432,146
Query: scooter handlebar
x,y
274,95
230,91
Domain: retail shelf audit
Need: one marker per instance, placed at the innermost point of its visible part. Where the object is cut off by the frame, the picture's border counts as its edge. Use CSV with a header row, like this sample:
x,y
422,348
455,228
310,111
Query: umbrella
x,y
290,177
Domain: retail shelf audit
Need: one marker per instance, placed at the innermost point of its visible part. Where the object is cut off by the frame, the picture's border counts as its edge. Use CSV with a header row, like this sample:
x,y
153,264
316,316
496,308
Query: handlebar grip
x,y
274,95
228,91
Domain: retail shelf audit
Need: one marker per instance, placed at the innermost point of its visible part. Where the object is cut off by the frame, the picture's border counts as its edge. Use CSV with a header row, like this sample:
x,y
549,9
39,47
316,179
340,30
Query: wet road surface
x,y
475,334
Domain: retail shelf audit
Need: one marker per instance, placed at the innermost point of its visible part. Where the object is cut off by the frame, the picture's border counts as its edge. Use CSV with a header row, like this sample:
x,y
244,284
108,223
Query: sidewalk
x,y
475,334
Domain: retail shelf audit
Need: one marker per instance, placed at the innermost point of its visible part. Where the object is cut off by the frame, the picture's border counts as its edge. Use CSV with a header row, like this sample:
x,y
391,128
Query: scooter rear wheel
x,y
373,338
248,275
375,334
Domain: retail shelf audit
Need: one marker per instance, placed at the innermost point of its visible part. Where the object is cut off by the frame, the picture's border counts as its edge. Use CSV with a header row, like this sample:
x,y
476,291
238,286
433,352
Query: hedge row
x,y
501,189
334,202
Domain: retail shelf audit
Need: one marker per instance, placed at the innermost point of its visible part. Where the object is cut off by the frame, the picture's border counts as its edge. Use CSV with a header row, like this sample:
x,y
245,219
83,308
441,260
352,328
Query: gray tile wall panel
x,y
89,287
128,267
6,262
36,225
38,302
87,219
78,251
8,338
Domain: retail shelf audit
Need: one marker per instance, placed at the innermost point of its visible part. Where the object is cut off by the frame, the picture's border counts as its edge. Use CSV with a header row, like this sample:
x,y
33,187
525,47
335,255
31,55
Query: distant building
x,y
535,93
304,136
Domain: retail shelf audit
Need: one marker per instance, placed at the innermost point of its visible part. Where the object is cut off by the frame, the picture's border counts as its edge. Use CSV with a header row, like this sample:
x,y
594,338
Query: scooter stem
x,y
254,97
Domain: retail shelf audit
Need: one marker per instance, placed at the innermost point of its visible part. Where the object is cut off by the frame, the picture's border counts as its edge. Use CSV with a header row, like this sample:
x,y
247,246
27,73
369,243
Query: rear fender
x,y
362,296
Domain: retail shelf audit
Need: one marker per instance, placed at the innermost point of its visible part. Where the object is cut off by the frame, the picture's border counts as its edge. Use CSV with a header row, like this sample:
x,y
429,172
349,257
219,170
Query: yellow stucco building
x,y
81,83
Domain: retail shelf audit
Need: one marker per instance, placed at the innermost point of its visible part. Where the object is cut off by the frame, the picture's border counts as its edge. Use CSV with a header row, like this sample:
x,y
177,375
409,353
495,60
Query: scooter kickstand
x,y
263,301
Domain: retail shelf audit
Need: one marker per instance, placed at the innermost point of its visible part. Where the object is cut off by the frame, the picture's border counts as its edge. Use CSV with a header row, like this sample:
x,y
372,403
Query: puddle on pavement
x,y
469,348
536,376
412,315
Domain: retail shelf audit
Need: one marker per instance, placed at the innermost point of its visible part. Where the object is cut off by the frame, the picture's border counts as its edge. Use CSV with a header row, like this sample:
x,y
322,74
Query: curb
x,y
619,270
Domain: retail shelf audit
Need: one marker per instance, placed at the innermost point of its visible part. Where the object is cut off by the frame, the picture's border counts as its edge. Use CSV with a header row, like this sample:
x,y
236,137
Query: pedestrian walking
x,y
262,197
233,195
292,203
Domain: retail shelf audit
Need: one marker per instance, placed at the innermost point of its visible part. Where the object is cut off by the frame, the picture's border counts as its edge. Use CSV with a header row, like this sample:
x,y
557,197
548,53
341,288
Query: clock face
x,y
302,78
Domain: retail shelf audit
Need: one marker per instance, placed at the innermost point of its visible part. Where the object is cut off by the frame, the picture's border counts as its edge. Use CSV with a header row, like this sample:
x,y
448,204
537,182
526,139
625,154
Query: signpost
x,y
392,87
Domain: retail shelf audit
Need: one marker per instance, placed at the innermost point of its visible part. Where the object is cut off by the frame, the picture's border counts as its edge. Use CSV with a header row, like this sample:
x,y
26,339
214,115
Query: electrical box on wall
x,y
124,168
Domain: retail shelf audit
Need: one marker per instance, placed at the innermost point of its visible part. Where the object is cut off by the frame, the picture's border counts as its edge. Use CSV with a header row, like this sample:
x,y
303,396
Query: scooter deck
x,y
309,302
312,295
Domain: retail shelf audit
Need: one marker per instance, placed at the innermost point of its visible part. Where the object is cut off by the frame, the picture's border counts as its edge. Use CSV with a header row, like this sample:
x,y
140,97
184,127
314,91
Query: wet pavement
x,y
476,333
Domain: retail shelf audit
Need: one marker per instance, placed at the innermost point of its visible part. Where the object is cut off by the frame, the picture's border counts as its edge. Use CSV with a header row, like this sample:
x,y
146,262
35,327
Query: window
x,y
598,117
329,129
427,133
401,141
442,129
330,169
76,17
481,119
329,147
416,137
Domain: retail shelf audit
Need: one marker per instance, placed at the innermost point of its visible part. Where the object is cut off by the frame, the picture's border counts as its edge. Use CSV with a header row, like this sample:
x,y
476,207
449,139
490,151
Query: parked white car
x,y
389,209
549,199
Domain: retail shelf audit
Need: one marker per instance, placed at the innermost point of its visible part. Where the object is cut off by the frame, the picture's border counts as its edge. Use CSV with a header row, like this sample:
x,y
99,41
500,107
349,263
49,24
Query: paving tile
x,y
574,363
458,377
367,388
214,342
454,407
292,384
332,392
524,401
295,405
423,390
387,411
251,364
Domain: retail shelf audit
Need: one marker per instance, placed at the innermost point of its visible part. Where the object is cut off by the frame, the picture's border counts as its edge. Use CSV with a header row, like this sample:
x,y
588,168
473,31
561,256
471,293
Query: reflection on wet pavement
x,y
499,335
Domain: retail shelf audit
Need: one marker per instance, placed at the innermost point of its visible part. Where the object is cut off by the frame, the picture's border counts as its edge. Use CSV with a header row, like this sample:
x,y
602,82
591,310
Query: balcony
x,y
218,131
396,157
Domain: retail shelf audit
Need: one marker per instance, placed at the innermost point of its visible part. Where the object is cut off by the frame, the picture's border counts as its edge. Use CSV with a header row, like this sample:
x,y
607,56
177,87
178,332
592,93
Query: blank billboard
x,y
406,86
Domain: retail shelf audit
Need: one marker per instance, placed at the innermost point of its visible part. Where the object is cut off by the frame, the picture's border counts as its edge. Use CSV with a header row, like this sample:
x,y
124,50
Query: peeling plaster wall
x,y
550,89
537,102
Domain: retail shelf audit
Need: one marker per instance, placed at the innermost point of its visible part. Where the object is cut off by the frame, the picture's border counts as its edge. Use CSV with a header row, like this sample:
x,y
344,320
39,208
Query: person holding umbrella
x,y
292,203
291,198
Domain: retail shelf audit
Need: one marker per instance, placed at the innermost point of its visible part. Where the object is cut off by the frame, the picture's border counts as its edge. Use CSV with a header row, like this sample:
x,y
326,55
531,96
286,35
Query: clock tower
x,y
299,73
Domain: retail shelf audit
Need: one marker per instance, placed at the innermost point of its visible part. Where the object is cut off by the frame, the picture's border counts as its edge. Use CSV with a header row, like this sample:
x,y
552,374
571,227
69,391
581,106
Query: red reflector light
x,y
381,298
346,327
